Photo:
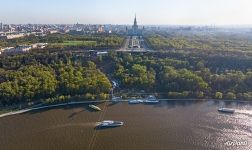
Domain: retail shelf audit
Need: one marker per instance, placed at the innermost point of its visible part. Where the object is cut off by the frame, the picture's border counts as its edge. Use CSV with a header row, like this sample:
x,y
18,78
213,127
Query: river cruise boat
x,y
135,101
110,123
116,99
226,110
151,99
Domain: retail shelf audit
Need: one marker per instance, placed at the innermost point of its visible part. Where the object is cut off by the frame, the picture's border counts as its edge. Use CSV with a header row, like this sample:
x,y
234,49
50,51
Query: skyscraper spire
x,y
134,31
135,21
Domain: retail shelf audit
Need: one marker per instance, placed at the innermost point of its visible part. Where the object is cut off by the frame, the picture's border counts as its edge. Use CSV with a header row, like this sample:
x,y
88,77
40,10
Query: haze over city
x,y
163,12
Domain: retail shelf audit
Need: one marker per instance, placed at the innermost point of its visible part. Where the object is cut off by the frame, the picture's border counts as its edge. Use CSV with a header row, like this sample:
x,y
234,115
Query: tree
x,y
218,95
230,95
28,83
181,80
200,94
200,65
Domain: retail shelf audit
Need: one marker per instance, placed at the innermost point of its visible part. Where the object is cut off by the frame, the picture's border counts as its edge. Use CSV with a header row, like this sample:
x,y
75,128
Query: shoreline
x,y
11,113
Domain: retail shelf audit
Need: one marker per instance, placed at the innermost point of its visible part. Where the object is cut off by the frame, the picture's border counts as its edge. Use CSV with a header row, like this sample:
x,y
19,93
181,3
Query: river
x,y
180,125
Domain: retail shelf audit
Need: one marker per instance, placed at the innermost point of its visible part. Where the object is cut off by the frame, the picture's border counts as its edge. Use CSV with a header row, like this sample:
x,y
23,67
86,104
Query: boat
x,y
116,99
136,101
110,123
226,110
151,99
95,107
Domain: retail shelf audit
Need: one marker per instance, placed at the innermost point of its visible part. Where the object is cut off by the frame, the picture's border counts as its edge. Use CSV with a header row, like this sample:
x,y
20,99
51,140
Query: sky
x,y
149,12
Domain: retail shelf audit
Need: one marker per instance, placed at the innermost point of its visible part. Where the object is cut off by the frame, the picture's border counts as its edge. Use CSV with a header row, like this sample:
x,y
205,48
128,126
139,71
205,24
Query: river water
x,y
175,125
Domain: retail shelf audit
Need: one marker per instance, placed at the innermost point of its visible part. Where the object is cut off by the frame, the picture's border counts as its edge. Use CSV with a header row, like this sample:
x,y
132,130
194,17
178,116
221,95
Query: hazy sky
x,y
185,12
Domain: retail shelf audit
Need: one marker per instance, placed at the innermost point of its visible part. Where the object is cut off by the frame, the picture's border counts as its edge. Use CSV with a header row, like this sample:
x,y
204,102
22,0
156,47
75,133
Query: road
x,y
126,48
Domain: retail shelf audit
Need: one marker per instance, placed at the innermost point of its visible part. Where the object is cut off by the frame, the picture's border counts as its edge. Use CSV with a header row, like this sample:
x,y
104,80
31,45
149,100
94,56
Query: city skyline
x,y
158,12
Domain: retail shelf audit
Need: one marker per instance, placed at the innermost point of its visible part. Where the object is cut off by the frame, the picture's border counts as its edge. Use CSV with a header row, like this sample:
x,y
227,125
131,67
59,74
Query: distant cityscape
x,y
12,31
134,33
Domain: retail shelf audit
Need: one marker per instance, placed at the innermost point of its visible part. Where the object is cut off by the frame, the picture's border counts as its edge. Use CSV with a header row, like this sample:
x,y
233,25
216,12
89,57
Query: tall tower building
x,y
135,26
134,31
1,26
135,21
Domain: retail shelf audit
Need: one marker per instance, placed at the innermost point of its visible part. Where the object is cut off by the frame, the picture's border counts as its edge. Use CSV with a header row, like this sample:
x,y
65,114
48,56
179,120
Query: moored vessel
x,y
95,107
151,99
135,101
226,110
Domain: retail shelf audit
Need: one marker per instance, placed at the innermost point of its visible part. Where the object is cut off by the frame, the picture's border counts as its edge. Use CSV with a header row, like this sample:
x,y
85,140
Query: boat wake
x,y
244,112
72,125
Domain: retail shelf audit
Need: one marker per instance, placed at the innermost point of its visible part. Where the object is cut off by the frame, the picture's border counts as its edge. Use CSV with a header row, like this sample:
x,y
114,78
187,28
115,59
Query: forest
x,y
199,40
187,75
61,75
59,80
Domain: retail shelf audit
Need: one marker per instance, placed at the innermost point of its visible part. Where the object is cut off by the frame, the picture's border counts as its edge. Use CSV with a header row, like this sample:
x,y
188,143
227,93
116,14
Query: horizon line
x,y
215,25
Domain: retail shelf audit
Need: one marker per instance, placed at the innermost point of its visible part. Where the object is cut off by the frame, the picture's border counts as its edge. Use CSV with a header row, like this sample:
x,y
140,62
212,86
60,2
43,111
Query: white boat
x,y
151,99
226,110
136,101
95,107
110,123
116,99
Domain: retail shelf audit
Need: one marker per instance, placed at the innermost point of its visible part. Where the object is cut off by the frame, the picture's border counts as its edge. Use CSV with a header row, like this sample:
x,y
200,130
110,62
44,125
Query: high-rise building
x,y
135,26
101,29
1,26
135,31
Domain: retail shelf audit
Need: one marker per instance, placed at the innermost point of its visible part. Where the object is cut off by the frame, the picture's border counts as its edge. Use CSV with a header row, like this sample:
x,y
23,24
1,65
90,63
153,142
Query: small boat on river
x,y
226,110
135,101
110,123
95,107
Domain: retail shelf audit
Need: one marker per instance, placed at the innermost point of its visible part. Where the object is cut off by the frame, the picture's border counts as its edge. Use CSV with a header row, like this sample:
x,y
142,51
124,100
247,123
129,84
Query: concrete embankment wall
x,y
44,107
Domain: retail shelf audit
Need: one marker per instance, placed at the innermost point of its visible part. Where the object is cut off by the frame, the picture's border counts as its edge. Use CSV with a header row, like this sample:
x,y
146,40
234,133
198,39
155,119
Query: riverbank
x,y
44,107
15,112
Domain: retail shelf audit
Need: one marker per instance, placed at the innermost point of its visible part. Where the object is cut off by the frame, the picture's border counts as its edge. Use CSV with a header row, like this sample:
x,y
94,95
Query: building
x,y
39,45
19,49
135,27
134,42
135,31
22,48
3,37
15,36
6,49
101,29
52,31
1,26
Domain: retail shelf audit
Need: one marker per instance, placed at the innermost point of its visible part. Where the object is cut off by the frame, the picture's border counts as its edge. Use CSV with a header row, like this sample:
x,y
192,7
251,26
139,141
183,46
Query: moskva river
x,y
174,125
